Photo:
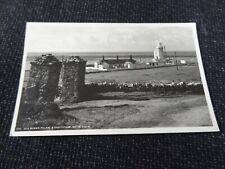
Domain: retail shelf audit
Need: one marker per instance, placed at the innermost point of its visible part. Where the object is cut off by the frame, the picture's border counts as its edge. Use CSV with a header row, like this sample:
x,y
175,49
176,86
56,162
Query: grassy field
x,y
166,74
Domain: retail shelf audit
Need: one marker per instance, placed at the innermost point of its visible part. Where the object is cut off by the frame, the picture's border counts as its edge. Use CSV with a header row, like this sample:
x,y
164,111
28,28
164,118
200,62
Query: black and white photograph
x,y
112,78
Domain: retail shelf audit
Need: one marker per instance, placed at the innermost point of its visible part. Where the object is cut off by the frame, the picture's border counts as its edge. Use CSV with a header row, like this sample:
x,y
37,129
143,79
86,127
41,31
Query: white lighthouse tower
x,y
159,53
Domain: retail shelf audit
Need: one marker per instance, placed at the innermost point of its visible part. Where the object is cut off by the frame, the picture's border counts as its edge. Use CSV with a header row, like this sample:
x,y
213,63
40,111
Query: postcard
x,y
112,78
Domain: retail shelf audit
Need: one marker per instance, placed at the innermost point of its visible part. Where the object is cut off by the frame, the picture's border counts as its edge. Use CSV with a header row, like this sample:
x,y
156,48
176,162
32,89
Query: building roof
x,y
117,61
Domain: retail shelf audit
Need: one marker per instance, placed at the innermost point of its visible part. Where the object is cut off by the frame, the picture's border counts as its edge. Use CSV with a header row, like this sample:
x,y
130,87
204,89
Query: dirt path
x,y
189,110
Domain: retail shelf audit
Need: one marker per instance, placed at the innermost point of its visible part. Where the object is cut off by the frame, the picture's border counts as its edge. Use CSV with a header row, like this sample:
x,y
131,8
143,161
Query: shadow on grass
x,y
133,96
92,107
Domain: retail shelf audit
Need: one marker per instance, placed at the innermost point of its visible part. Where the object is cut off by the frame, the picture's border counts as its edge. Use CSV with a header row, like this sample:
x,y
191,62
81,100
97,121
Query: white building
x,y
159,52
129,64
115,63
183,62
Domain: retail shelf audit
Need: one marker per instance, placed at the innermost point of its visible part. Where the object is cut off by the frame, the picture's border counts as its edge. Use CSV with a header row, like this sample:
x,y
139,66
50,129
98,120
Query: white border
x,y
153,130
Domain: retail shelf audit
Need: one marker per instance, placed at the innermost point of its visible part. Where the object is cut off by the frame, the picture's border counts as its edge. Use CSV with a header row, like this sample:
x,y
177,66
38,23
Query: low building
x,y
115,63
183,62
129,65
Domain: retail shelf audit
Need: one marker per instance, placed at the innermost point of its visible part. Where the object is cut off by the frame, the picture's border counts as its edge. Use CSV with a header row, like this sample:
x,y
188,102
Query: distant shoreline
x,y
99,54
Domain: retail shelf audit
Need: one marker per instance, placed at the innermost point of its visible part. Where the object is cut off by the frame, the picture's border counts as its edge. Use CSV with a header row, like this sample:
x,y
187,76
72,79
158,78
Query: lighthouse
x,y
159,52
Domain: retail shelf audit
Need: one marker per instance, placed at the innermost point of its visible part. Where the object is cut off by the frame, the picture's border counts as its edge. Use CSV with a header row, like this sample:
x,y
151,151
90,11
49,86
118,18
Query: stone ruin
x,y
43,80
42,86
73,73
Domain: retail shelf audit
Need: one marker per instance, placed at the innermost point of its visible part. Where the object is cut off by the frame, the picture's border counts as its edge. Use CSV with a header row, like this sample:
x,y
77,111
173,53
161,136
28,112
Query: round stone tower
x,y
73,74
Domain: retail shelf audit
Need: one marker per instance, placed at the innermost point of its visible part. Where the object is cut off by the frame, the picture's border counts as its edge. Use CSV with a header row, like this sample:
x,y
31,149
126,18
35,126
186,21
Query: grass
x,y
167,74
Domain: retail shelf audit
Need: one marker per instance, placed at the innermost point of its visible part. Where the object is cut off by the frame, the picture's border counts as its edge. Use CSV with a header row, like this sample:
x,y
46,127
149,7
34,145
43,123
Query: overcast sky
x,y
62,37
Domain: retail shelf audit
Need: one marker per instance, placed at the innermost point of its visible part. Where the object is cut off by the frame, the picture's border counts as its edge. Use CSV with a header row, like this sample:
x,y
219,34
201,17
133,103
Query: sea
x,y
93,57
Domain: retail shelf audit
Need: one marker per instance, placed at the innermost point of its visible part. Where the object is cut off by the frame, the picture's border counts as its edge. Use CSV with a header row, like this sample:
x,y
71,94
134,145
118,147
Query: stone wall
x,y
73,76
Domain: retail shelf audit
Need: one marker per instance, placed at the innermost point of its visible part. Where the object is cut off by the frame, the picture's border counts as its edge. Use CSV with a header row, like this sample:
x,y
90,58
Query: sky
x,y
80,37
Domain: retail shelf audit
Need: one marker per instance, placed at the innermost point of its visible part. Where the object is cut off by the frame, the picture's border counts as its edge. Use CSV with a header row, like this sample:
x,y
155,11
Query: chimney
x,y
117,57
103,57
131,57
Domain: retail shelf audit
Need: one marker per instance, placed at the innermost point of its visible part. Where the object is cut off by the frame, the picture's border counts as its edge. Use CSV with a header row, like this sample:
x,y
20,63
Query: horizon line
x,y
115,52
